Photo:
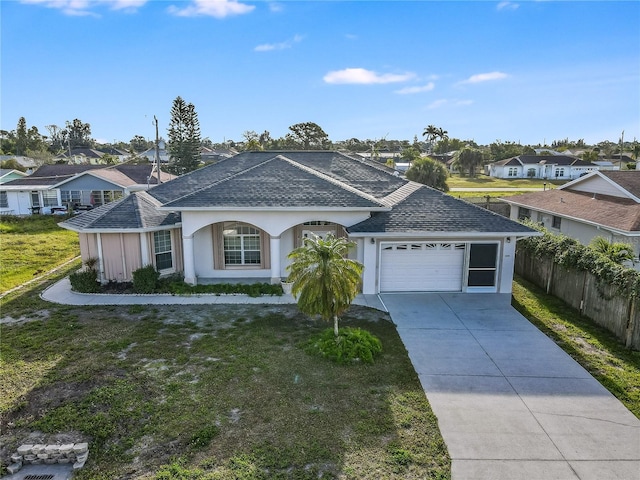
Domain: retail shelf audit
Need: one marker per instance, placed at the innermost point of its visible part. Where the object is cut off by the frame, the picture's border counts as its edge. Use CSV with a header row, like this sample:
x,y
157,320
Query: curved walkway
x,y
60,292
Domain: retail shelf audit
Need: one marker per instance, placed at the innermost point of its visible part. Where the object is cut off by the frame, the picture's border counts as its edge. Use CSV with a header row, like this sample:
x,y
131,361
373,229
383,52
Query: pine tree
x,y
22,138
184,137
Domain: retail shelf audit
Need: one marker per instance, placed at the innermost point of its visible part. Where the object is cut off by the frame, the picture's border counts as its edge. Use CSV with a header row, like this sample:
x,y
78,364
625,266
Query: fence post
x,y
631,322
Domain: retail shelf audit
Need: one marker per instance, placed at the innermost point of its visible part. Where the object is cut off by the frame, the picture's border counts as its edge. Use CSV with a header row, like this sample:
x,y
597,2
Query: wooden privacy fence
x,y
582,290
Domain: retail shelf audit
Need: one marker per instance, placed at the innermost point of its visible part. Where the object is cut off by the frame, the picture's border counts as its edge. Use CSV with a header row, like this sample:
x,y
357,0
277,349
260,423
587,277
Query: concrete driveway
x,y
510,403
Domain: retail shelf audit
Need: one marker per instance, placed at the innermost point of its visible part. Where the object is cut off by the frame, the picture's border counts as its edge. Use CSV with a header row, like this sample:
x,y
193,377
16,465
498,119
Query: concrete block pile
x,y
75,453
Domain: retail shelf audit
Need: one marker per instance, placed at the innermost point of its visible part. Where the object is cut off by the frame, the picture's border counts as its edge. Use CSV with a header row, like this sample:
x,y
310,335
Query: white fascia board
x,y
24,188
121,230
274,209
444,235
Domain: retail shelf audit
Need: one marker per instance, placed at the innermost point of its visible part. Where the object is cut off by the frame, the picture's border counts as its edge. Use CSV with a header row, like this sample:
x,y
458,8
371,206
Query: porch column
x,y
370,261
144,249
274,247
189,263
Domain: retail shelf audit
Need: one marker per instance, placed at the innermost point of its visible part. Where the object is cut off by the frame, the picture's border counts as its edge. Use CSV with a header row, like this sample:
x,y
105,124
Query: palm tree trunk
x,y
335,325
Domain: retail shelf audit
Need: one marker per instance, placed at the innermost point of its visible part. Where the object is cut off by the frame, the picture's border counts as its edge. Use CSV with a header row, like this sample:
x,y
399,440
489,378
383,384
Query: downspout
x,y
100,258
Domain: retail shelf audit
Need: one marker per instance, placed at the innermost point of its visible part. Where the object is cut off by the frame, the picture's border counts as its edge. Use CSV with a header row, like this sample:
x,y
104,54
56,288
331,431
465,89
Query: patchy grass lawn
x,y
30,246
595,348
484,181
212,392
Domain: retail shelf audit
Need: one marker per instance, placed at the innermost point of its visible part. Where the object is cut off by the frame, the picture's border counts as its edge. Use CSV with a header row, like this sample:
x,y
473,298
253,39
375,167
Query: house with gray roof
x,y
238,219
548,167
602,204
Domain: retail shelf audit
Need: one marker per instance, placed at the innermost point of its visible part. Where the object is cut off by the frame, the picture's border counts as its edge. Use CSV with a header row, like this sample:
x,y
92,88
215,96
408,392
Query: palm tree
x,y
431,132
617,252
468,159
325,282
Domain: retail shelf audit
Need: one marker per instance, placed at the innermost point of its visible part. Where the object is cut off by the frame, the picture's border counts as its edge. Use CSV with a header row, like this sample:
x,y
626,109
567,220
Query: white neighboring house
x,y
548,167
601,204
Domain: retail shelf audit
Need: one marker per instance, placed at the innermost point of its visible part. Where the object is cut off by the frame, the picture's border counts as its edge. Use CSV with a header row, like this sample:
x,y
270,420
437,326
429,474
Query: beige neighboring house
x,y
601,204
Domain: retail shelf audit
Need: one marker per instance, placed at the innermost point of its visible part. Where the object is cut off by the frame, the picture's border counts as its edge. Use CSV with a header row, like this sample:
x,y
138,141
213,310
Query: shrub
x,y
85,281
145,279
351,345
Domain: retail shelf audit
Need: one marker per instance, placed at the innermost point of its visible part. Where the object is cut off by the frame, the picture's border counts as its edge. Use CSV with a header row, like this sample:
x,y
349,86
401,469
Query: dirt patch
x,y
37,315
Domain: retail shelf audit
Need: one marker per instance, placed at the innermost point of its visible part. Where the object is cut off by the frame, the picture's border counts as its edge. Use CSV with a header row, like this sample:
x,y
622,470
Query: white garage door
x,y
421,267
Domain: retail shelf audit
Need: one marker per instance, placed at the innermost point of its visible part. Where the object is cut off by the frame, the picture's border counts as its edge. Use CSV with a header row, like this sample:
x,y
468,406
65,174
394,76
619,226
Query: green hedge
x,y
572,255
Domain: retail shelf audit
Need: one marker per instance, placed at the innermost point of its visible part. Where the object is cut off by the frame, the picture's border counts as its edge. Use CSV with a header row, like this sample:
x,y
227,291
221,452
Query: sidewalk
x,y
60,292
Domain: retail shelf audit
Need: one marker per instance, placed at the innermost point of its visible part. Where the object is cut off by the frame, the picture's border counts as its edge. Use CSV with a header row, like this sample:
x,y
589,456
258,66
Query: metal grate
x,y
38,477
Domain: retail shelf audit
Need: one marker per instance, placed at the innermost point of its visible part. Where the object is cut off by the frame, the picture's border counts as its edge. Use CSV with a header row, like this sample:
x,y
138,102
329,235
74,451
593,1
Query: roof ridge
x,y
401,193
331,180
242,172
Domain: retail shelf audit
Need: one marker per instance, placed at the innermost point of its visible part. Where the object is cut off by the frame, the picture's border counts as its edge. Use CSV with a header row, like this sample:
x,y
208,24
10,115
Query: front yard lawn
x,y
485,181
30,246
212,392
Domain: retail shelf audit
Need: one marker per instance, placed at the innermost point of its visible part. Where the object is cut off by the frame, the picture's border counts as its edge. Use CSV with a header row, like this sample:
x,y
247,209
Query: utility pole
x,y
157,150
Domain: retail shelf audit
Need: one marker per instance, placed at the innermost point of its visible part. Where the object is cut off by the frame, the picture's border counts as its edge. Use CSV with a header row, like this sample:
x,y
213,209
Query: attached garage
x,y
422,267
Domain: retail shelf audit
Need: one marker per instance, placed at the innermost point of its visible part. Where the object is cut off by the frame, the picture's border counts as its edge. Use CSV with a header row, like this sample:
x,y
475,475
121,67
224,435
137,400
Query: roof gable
x,y
623,184
429,210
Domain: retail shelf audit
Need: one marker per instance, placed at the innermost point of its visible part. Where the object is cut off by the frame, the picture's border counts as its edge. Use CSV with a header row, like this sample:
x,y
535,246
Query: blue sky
x,y
520,71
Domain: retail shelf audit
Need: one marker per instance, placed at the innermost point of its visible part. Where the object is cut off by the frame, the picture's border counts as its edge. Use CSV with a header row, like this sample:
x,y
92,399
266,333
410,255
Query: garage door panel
x,y
421,267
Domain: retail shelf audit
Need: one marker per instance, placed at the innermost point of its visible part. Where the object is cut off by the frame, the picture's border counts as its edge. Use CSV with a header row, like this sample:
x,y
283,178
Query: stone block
x,y
43,456
63,460
29,458
39,448
80,447
14,467
50,461
24,449
78,465
37,461
15,458
82,457
52,449
66,448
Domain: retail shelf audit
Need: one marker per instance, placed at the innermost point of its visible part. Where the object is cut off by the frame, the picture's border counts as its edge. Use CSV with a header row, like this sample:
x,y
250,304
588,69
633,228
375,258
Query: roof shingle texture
x,y
615,212
133,212
429,210
629,180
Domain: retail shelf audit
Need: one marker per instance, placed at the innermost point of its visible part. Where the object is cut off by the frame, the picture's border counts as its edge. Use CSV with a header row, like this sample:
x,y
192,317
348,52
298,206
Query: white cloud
x,y
365,77
409,90
485,77
84,7
268,47
276,7
212,8
507,6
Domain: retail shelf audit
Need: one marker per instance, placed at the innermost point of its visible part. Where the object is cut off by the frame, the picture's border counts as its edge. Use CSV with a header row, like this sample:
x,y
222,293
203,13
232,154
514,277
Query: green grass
x,y
595,348
215,392
31,246
484,181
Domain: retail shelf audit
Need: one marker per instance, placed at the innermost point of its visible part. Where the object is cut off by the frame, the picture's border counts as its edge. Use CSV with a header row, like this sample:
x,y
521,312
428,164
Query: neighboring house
x,y
81,186
150,154
26,162
81,156
7,174
213,155
601,204
549,167
238,219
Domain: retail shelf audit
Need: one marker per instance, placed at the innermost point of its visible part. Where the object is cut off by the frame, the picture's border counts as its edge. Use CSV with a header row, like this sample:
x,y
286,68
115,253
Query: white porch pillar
x,y
189,262
101,276
274,246
507,265
144,249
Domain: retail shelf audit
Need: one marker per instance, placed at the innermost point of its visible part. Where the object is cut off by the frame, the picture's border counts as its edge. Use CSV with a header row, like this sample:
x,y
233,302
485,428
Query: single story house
x,y
8,174
601,204
55,186
238,219
549,167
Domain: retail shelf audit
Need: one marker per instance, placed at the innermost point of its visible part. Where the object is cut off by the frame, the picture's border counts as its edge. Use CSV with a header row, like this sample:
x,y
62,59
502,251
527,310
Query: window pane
x,y
162,241
4,202
481,278
252,243
163,261
49,198
252,258
483,255
233,257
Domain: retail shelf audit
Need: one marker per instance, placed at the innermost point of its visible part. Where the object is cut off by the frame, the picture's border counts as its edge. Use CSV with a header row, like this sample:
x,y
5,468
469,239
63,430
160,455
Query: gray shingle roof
x,y
136,211
275,182
429,210
562,160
